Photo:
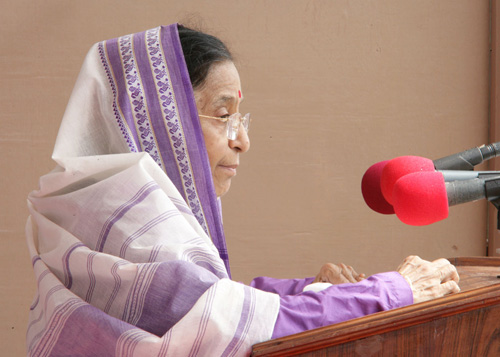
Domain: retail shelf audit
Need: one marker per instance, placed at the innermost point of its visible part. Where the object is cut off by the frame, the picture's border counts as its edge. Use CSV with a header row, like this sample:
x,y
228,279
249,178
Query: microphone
x,y
403,165
423,198
371,189
378,181
377,192
399,167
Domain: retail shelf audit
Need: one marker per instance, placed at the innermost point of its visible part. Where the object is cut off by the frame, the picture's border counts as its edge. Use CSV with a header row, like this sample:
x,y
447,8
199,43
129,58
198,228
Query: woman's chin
x,y
221,190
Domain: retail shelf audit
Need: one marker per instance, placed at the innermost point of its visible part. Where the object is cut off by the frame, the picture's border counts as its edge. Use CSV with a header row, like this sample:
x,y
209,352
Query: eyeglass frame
x,y
231,127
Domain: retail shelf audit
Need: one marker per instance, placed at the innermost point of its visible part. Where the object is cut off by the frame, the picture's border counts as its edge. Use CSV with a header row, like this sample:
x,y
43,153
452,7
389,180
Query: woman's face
x,y
220,96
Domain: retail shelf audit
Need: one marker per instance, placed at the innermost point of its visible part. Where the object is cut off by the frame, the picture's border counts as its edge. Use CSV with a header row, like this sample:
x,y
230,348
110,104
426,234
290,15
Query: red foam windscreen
x,y
399,167
372,193
420,198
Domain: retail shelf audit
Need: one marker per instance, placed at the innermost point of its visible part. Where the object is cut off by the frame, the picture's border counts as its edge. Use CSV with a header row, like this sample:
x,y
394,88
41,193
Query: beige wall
x,y
334,86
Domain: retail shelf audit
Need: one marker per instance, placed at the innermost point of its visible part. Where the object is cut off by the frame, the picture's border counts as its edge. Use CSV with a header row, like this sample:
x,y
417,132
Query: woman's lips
x,y
230,169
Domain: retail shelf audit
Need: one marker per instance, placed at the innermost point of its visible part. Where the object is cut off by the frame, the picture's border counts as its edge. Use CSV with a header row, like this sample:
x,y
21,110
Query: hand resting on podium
x,y
428,280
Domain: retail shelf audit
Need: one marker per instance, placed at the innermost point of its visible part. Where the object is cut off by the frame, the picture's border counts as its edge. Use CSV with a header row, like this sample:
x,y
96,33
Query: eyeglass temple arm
x,y
216,118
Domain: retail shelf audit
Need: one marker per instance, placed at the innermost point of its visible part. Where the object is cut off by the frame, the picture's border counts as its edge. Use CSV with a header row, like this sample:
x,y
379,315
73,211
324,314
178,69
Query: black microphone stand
x,y
492,191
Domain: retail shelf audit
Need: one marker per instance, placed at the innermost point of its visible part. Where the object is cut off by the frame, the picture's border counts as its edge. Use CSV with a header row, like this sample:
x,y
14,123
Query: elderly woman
x,y
126,234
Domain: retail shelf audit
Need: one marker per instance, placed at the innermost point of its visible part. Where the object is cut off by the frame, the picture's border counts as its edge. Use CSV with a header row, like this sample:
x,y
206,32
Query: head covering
x,y
125,234
135,96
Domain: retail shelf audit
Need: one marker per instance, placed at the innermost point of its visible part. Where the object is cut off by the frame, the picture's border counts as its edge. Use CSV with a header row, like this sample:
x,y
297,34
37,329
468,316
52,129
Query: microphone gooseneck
x,y
466,160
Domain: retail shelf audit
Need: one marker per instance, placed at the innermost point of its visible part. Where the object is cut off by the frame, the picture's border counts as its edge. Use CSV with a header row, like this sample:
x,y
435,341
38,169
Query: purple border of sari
x,y
181,145
194,137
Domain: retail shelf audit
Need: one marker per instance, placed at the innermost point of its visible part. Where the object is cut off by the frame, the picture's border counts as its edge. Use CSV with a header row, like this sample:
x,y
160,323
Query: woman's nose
x,y
242,141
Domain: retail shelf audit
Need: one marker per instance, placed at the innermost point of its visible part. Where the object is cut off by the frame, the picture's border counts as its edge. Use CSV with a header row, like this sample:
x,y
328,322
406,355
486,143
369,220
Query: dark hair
x,y
201,51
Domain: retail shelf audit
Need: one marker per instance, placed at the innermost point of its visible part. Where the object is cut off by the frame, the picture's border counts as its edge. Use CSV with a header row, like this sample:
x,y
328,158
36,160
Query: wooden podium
x,y
463,324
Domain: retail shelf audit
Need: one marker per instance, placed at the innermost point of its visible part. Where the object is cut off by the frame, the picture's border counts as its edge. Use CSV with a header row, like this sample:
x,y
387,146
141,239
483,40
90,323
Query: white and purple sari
x,y
126,235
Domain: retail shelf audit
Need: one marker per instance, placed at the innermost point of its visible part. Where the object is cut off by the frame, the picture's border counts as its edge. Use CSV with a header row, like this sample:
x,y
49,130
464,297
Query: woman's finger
x,y
449,273
347,273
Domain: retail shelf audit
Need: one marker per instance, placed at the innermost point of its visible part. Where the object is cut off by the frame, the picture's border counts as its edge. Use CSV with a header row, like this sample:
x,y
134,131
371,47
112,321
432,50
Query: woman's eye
x,y
224,116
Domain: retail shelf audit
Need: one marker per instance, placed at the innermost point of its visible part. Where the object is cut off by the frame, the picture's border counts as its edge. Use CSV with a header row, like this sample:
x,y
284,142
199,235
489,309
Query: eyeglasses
x,y
233,123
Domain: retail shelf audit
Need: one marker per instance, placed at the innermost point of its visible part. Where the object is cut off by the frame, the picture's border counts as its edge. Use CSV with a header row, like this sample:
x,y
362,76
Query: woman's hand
x,y
429,280
338,274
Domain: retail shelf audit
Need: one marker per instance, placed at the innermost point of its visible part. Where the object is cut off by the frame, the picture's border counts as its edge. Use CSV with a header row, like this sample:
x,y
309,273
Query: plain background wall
x,y
333,87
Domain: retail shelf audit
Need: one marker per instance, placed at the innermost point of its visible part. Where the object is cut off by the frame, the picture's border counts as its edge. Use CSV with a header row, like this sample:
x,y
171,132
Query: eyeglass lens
x,y
233,125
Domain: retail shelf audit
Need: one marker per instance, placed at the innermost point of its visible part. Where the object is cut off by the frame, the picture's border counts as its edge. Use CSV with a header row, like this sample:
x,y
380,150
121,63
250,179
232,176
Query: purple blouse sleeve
x,y
309,310
281,287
